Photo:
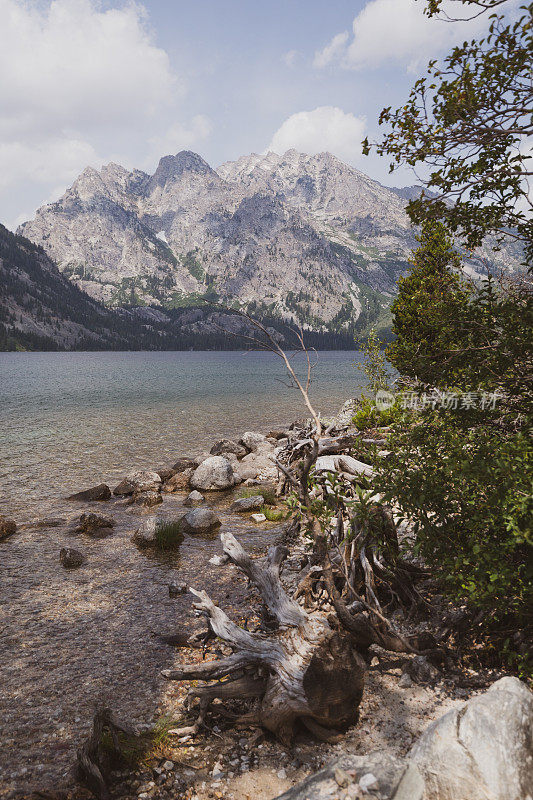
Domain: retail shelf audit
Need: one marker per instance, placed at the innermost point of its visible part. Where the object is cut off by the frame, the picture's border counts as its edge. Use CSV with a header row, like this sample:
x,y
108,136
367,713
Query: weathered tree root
x,y
306,670
91,759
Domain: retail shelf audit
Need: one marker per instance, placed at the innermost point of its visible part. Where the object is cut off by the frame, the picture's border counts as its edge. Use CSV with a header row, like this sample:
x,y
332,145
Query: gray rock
x,y
95,525
194,499
100,492
183,464
141,481
200,520
7,527
226,446
257,465
405,681
178,482
482,750
252,440
248,504
323,785
145,535
421,671
70,558
175,589
199,459
146,499
214,474
165,473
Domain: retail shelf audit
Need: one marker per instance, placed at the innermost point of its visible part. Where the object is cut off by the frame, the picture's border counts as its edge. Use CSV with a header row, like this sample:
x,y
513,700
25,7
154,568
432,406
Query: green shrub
x,y
467,487
368,415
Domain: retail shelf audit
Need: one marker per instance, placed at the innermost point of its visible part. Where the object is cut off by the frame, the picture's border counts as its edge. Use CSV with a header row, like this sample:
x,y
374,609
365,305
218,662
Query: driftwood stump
x,y
307,670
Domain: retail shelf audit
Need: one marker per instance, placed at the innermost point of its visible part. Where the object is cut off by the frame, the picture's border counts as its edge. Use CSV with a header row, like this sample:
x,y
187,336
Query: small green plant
x,y
273,514
168,535
374,363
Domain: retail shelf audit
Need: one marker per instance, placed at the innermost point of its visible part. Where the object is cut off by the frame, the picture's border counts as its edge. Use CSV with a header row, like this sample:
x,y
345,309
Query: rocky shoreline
x,y
98,621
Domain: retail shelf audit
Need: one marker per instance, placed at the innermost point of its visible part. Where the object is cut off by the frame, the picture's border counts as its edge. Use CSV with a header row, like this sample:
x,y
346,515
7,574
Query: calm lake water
x,y
70,420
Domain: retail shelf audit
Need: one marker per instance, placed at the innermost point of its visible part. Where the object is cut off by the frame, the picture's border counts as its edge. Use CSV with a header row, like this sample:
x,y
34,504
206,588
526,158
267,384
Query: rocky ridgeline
x,y
305,236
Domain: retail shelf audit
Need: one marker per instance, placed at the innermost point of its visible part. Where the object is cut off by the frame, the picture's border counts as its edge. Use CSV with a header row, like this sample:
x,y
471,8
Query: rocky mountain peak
x,y
172,167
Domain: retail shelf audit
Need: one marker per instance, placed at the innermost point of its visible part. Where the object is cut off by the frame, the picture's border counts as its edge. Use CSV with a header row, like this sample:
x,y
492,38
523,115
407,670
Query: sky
x,y
86,82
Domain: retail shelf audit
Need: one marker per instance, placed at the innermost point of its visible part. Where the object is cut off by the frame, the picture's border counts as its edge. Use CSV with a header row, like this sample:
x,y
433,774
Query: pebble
x,y
168,765
368,781
282,774
405,681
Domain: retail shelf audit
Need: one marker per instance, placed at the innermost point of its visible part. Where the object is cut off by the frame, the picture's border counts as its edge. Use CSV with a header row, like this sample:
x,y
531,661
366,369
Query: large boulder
x,y
178,482
226,446
200,520
245,504
252,440
482,750
140,481
7,527
257,465
100,492
213,474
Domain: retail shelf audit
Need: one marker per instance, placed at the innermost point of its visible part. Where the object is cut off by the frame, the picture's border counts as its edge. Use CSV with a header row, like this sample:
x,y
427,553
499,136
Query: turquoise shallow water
x,y
69,420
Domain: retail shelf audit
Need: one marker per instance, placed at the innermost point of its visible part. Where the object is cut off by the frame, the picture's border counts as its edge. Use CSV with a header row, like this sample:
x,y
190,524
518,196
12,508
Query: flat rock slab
x,y
94,493
245,504
377,775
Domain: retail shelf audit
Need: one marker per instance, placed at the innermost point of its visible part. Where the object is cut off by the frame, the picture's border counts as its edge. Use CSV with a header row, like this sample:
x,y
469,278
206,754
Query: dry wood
x,y
304,671
92,759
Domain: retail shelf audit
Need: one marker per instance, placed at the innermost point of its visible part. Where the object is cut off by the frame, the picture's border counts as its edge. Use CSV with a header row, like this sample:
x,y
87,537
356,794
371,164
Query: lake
x,y
71,420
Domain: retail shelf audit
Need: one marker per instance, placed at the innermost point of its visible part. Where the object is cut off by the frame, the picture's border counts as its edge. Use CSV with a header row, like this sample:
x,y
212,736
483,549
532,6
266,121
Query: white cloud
x,y
54,159
394,31
291,58
325,129
75,65
331,51
81,84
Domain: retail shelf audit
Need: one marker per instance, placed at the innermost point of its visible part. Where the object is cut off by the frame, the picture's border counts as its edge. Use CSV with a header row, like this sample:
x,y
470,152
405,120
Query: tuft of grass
x,y
168,535
273,514
140,750
267,493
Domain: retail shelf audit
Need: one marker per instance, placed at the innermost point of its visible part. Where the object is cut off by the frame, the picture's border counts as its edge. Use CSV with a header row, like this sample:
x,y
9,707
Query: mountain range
x,y
130,260
302,238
